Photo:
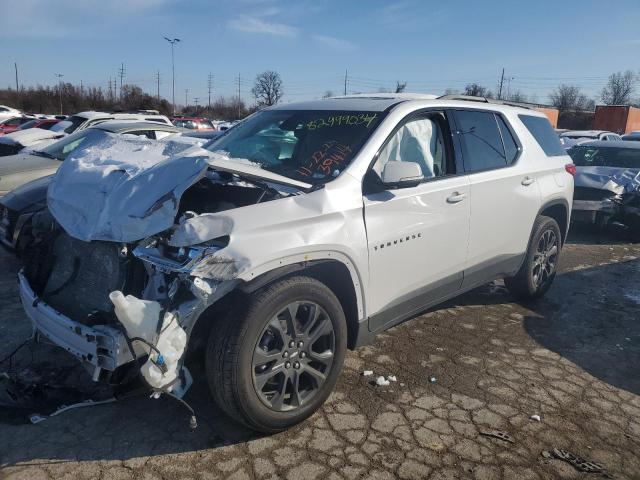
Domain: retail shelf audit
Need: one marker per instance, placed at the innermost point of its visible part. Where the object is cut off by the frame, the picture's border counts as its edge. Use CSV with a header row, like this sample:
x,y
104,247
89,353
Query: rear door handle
x,y
455,197
526,181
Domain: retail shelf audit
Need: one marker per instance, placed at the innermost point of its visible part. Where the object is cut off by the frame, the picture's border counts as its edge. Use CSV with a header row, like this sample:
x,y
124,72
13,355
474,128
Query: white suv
x,y
303,231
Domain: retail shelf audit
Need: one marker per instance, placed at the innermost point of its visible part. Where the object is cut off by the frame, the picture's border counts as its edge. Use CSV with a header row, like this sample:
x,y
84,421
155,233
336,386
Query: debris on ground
x,y
535,417
382,382
433,379
392,378
499,434
367,373
578,463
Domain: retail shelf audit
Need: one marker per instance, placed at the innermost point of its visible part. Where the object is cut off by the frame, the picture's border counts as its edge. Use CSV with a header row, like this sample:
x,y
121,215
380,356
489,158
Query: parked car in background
x,y
607,182
83,120
632,136
193,123
8,112
38,138
587,135
43,123
16,170
304,231
12,124
27,176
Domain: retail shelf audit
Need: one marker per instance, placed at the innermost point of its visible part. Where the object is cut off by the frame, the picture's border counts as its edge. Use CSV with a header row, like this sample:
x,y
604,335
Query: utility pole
x,y
121,74
238,96
60,75
158,82
195,100
345,81
186,98
173,73
210,87
501,83
81,90
15,64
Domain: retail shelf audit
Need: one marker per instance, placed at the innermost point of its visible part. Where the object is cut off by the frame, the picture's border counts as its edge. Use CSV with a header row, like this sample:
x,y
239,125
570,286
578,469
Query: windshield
x,y
309,146
69,125
29,124
61,149
605,157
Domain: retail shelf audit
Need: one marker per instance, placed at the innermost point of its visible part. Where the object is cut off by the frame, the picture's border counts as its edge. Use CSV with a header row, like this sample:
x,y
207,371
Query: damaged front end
x,y
102,279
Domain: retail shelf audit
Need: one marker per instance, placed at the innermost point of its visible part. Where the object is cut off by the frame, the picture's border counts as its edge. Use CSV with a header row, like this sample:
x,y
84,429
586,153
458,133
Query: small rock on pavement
x,y
535,417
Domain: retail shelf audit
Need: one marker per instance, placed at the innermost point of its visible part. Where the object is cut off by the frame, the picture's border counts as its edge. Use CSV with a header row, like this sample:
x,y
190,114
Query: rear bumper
x,y
101,346
589,210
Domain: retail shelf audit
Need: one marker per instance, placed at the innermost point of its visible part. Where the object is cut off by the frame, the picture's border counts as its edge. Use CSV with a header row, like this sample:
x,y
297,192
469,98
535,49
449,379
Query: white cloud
x,y
336,43
249,24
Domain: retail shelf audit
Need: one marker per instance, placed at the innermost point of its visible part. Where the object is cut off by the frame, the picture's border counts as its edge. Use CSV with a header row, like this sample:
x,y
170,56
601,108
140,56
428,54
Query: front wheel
x,y
273,362
541,260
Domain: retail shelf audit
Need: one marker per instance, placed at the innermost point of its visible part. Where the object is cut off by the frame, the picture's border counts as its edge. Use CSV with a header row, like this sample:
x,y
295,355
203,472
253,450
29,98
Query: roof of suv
x,y
381,102
119,126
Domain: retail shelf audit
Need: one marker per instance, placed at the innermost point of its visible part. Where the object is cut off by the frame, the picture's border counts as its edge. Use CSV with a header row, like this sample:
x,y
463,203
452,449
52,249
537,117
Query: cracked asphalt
x,y
573,358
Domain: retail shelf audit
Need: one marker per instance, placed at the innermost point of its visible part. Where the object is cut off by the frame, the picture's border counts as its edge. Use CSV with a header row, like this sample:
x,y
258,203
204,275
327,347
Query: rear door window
x,y
482,146
510,146
543,133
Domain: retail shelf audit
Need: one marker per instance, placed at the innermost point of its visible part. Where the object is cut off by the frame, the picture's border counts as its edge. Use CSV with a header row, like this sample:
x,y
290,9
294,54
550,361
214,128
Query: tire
x,y
534,279
247,347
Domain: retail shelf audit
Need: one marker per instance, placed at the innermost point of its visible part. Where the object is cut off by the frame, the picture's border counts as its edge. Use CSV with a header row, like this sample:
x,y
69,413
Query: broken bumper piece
x,y
102,346
589,210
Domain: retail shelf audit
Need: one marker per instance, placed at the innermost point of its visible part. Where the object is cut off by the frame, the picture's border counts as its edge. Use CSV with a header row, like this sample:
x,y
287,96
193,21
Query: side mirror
x,y
402,174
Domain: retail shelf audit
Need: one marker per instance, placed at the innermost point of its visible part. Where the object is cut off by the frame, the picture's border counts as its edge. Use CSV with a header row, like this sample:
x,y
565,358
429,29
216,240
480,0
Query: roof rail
x,y
471,98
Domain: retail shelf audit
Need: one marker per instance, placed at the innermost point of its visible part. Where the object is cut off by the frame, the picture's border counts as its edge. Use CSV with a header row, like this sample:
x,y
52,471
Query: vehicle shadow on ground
x,y
586,317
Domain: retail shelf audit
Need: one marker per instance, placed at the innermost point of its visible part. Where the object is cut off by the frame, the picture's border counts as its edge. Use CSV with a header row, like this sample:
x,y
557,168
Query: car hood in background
x,y
23,162
29,195
30,136
613,179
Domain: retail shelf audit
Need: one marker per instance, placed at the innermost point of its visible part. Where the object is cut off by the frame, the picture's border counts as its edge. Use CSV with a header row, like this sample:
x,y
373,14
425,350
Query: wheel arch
x,y
558,209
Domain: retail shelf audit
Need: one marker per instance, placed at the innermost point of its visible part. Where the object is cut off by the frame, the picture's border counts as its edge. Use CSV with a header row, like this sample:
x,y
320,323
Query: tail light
x,y
570,168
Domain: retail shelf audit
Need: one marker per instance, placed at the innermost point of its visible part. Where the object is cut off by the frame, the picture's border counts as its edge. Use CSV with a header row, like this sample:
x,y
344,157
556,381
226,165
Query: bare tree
x,y
267,88
475,90
518,96
568,98
328,94
400,86
619,88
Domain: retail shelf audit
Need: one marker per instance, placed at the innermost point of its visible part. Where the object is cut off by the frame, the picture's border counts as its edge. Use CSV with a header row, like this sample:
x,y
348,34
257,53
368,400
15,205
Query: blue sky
x,y
433,45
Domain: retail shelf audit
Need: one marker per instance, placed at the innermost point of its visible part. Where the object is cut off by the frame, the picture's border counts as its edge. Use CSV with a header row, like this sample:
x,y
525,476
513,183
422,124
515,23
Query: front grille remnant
x,y
82,276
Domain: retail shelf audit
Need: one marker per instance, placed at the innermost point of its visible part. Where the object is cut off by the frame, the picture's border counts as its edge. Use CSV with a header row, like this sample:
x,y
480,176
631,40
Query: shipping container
x,y
552,115
617,118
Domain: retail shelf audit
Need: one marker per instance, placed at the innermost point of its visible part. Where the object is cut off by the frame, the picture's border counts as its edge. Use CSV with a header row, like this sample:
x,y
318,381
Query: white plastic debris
x,y
392,378
535,417
382,382
140,319
433,379
367,373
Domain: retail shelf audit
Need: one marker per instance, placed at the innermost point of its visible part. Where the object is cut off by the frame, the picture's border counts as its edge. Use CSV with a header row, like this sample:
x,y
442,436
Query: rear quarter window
x,y
544,134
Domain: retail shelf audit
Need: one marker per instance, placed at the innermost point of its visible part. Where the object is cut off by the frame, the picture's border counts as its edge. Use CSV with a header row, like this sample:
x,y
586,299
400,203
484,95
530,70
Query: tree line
x,y
268,90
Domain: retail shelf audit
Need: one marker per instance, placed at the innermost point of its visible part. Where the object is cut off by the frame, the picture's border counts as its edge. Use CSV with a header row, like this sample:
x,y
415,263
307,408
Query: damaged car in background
x,y
607,185
304,230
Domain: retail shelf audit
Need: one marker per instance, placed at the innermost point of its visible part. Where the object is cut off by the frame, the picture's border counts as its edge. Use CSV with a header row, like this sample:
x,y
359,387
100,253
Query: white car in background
x,y
37,138
9,112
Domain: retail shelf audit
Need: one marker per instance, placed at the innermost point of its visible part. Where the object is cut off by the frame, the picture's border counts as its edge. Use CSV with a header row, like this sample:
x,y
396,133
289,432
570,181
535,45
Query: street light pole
x,y
173,73
60,75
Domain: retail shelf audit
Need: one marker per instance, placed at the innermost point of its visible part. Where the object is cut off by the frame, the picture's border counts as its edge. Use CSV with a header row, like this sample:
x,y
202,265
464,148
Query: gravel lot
x,y
573,358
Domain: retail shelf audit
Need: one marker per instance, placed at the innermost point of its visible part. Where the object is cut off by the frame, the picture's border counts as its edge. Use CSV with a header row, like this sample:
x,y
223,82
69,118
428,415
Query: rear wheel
x,y
539,267
273,362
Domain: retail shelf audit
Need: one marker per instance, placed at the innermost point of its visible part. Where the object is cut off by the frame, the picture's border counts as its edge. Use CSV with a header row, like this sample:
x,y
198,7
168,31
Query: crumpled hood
x,y
27,196
616,180
124,189
30,136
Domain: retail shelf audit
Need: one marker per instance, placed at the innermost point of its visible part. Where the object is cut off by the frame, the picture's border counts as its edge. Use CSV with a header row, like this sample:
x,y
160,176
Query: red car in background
x,y
43,123
12,124
193,123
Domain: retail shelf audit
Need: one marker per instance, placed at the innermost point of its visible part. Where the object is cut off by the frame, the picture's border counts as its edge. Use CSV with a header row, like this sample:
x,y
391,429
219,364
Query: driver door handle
x,y
455,197
526,181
